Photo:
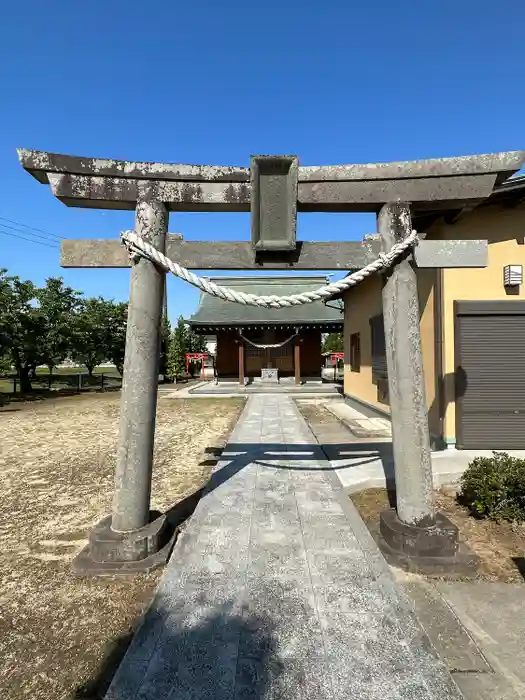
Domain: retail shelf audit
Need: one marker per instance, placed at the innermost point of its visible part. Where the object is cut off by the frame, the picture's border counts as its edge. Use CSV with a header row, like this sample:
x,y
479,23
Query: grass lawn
x,y
57,462
60,380
77,370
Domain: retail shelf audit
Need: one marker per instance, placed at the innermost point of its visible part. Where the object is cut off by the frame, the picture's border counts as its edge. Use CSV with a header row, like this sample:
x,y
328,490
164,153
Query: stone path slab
x,y
455,645
492,613
276,590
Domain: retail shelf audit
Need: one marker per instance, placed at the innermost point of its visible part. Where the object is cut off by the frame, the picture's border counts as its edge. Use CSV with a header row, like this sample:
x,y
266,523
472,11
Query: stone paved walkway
x,y
276,590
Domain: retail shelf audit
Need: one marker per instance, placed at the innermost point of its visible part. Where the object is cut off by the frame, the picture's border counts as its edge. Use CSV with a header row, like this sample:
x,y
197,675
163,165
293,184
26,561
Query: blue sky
x,y
209,82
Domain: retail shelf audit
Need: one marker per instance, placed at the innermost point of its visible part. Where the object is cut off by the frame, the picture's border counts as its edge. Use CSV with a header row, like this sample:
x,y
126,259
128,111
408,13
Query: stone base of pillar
x,y
431,550
111,553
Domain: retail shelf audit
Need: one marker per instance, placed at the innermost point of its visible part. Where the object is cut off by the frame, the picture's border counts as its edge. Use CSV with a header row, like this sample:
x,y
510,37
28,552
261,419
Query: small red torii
x,y
336,356
189,356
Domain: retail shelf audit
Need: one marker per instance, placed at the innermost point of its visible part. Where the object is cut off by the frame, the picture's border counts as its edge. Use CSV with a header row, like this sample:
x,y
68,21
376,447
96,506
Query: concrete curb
x,y
353,424
439,479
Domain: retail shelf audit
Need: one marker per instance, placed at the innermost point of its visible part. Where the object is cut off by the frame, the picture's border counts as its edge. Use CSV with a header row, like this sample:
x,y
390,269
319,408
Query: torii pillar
x,y
413,535
134,538
131,503
406,381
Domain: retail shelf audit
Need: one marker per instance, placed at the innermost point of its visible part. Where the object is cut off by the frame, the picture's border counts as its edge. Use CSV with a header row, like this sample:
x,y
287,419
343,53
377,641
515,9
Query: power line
x,y
30,240
29,233
31,228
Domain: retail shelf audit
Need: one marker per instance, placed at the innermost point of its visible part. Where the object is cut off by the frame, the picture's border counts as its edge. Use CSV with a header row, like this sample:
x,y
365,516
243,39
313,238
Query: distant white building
x,y
211,344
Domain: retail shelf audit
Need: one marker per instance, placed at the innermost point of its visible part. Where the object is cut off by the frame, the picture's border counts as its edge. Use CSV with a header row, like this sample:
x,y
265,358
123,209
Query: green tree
x,y
90,333
333,343
57,304
195,342
21,326
177,350
5,361
115,341
165,339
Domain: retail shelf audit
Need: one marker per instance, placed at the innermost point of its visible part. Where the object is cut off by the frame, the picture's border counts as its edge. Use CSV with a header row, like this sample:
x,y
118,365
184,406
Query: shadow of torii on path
x,y
328,457
305,457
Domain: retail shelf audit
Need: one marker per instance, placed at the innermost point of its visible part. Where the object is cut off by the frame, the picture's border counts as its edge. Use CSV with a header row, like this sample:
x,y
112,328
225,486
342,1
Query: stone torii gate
x,y
274,188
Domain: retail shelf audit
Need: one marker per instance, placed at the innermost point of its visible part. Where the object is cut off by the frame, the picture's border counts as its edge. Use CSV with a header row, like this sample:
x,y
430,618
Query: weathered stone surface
x,y
506,162
441,539
411,443
240,255
39,162
111,553
451,254
124,193
369,195
434,550
107,545
225,255
140,381
91,182
365,195
274,202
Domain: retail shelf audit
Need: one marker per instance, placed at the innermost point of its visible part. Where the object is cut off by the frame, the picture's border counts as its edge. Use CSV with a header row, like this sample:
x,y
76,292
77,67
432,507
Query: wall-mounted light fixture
x,y
512,275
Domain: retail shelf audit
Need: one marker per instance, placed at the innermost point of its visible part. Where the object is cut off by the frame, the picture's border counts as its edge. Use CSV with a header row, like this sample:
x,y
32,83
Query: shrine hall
x,y
256,343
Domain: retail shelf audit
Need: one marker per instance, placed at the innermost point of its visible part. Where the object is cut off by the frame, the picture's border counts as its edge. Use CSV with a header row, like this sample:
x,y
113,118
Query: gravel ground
x,y
62,636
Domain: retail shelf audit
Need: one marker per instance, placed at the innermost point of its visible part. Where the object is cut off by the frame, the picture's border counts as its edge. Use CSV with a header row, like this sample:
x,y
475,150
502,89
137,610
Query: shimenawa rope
x,y
138,247
267,346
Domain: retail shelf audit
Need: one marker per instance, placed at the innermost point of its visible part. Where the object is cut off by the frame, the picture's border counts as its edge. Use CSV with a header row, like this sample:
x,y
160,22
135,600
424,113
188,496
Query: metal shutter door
x,y
490,381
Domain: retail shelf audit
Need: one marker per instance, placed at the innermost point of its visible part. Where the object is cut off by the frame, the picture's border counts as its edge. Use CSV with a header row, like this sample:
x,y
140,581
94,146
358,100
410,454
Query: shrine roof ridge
x,y
212,311
40,163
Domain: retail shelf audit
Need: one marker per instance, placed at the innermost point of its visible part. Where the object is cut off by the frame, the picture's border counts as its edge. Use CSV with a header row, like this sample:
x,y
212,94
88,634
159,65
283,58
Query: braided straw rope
x,y
267,346
138,247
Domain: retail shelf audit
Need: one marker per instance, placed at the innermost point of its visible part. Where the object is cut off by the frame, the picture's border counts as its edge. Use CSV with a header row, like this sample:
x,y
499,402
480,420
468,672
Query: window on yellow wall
x,y
355,352
378,348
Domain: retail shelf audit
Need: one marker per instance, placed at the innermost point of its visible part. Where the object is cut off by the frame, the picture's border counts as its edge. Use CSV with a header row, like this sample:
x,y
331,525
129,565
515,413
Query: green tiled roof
x,y
216,312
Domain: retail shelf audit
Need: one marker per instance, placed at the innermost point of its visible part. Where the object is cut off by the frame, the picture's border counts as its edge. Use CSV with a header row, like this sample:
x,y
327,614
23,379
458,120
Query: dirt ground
x,y
61,636
500,546
316,413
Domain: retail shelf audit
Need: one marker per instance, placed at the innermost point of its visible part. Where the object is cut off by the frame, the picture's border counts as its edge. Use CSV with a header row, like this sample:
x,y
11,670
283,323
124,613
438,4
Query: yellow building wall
x,y
505,231
504,228
362,303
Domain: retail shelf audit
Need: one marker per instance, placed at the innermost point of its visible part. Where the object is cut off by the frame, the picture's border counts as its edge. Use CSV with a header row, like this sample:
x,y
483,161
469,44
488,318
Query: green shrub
x,y
494,487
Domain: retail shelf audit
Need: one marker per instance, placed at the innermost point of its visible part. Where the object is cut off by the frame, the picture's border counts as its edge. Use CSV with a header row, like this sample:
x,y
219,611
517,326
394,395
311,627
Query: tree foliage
x,y
333,343
165,339
195,342
177,349
99,333
44,325
183,340
56,307
5,362
116,323
21,326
